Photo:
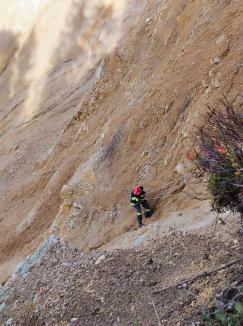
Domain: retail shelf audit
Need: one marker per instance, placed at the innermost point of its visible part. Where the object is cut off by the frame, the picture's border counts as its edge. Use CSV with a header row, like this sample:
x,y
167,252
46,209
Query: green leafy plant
x,y
227,309
224,318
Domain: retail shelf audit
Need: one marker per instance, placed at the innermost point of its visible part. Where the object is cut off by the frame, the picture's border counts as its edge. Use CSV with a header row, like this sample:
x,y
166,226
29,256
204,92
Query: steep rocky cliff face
x,y
96,97
46,70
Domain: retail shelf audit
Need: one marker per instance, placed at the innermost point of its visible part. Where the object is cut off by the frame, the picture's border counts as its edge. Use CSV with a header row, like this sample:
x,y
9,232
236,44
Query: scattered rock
x,y
100,259
67,191
15,148
185,167
220,39
230,307
102,299
77,205
2,306
145,153
180,168
9,322
75,212
153,283
205,84
67,202
70,223
183,286
95,311
36,298
215,61
215,83
211,72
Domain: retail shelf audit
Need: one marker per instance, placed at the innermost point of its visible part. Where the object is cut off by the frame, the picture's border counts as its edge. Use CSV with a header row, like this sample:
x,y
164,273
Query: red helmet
x,y
137,190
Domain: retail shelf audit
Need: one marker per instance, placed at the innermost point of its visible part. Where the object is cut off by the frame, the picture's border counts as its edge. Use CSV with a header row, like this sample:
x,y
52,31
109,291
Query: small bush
x,y
223,318
228,309
219,155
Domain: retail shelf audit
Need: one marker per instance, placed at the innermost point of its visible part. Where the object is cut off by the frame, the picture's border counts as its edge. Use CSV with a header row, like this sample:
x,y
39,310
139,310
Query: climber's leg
x,y
139,215
147,208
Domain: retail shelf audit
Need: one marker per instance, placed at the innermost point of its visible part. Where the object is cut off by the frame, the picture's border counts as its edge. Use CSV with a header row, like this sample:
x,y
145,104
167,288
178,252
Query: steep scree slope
x,y
160,283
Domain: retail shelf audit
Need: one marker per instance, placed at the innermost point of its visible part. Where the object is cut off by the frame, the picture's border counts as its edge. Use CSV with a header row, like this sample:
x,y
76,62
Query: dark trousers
x,y
138,208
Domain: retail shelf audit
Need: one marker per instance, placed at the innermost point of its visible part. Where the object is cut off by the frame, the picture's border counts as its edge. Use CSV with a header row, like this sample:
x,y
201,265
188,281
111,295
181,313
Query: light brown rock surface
x,y
99,99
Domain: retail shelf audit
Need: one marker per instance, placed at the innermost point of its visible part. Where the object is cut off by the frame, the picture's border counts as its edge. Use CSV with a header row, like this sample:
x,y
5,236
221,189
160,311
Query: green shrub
x,y
224,318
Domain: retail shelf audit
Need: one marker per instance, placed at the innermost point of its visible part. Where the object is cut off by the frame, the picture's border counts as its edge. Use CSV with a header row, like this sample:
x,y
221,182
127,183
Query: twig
x,y
204,274
164,197
236,184
221,220
215,224
156,313
194,197
165,186
233,299
191,189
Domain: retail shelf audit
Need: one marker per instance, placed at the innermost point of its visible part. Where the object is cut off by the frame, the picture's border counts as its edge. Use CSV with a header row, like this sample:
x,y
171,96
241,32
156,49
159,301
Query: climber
x,y
138,199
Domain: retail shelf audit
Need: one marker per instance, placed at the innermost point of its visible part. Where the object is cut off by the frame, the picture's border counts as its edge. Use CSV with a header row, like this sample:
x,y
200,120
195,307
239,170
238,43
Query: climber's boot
x,y
140,220
148,213
141,225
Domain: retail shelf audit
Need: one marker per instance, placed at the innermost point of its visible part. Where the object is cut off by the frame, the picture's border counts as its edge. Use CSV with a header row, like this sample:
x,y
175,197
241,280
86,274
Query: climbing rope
x,y
149,198
165,186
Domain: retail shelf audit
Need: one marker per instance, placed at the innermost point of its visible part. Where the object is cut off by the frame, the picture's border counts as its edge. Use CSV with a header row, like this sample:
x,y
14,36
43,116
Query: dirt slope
x,y
146,286
102,125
